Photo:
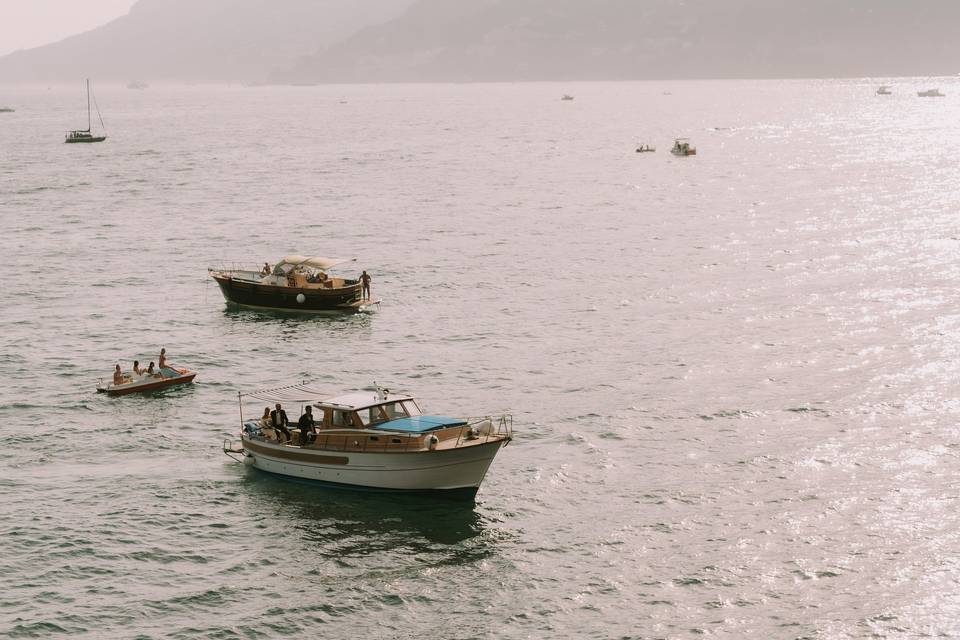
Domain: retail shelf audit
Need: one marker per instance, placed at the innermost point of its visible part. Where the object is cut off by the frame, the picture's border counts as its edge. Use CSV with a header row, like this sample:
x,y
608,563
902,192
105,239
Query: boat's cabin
x,y
361,410
304,273
73,135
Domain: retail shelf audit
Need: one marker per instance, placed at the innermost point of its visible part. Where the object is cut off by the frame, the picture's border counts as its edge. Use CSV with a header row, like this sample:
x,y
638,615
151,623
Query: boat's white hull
x,y
462,468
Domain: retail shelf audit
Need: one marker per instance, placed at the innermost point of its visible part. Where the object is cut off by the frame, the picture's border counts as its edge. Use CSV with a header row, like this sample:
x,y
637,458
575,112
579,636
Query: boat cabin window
x,y
411,408
342,419
394,410
372,415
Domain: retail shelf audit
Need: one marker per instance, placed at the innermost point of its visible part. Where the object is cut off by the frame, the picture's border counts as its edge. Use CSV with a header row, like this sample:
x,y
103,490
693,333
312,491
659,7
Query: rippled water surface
x,y
733,376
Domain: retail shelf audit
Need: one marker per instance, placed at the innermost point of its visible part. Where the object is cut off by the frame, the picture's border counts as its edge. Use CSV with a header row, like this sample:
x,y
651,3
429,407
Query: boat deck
x,y
376,440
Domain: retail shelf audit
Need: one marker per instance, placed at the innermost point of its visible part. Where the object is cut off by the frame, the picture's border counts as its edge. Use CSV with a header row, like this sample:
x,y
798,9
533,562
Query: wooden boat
x,y
931,93
140,384
296,283
681,147
373,441
84,135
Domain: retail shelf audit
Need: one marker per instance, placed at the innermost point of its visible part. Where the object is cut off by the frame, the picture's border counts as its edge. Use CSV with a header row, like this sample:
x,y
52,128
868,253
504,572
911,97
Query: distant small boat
x,y
931,93
681,147
645,148
140,384
7,109
566,96
884,90
136,84
84,135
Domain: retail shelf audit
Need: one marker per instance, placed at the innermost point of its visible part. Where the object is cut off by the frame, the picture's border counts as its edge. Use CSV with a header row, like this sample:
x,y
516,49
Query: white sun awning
x,y
315,261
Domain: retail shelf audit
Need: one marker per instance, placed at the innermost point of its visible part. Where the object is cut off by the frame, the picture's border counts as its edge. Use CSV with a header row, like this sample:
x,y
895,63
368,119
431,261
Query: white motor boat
x,y
884,90
373,441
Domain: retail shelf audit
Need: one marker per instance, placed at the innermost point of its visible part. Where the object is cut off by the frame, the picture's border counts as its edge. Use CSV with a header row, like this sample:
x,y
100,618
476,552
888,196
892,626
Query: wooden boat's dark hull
x,y
90,139
250,294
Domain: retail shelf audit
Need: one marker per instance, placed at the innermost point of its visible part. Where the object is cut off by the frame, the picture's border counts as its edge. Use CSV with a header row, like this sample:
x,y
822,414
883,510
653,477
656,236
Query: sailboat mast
x,y
88,105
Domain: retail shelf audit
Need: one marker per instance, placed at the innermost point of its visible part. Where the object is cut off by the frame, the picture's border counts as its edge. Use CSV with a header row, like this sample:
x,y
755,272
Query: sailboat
x,y
84,135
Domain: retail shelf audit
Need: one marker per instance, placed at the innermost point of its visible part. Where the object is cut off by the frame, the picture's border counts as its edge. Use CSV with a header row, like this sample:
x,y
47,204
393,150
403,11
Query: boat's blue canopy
x,y
420,424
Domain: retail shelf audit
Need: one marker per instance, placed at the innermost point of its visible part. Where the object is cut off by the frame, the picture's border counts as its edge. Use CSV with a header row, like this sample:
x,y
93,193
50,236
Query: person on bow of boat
x,y
165,369
118,376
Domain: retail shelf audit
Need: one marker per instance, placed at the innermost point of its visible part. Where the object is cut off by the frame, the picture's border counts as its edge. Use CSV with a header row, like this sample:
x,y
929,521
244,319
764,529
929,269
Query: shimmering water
x,y
733,376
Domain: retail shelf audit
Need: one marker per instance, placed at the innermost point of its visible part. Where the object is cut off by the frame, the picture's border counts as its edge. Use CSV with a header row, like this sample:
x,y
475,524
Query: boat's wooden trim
x,y
289,453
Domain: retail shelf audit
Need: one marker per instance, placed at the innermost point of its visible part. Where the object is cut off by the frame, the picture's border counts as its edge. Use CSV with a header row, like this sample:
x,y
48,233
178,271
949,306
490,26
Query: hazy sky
x,y
30,23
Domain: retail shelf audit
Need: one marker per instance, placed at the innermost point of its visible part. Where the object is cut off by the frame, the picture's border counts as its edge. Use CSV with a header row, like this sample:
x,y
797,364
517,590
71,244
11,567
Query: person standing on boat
x,y
279,422
365,282
308,431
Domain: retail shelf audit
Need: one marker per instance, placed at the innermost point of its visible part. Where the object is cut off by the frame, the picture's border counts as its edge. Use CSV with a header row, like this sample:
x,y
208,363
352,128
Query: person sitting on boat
x,y
137,370
308,430
266,269
266,425
279,422
165,370
151,371
118,376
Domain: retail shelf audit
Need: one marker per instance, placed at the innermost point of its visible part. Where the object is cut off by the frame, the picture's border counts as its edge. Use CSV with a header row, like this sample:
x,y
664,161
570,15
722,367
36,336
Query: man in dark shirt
x,y
365,285
308,431
278,418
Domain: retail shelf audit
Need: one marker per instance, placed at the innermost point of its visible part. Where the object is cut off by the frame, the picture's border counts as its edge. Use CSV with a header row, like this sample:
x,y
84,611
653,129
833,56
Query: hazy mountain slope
x,y
212,40
612,39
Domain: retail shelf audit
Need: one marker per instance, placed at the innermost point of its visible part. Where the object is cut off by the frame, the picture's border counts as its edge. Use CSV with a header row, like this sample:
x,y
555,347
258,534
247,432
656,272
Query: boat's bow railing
x,y
233,448
225,266
486,428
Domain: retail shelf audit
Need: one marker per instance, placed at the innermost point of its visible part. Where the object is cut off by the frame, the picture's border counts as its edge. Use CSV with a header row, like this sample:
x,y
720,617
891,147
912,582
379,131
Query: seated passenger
x,y
266,425
117,376
137,370
150,371
266,269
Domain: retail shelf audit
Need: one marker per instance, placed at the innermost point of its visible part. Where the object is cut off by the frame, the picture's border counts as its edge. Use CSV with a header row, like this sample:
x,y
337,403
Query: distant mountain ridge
x,y
199,40
439,40
310,41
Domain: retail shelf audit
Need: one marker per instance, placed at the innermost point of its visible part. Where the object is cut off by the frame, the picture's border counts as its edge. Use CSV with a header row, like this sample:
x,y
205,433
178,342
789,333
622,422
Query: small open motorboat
x,y
931,93
170,377
566,97
645,148
884,90
681,147
374,441
296,283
